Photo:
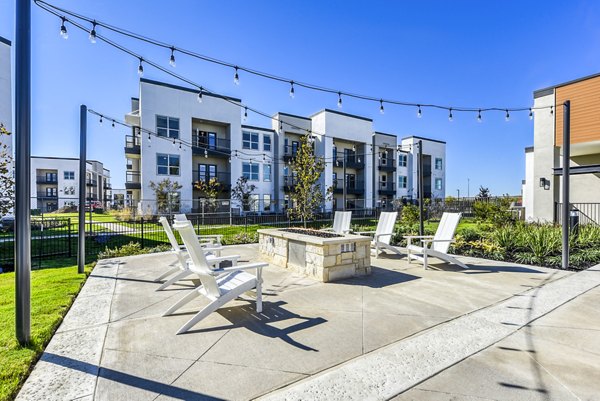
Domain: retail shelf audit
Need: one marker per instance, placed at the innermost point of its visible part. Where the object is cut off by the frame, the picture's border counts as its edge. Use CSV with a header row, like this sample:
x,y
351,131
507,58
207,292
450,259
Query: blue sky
x,y
459,53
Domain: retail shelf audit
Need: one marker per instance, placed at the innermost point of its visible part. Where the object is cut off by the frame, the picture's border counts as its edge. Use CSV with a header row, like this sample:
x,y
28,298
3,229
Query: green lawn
x,y
52,292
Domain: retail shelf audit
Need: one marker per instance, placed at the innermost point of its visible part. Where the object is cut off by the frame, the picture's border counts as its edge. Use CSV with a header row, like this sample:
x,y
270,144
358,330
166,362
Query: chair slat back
x,y
179,217
165,223
199,264
386,223
445,231
341,222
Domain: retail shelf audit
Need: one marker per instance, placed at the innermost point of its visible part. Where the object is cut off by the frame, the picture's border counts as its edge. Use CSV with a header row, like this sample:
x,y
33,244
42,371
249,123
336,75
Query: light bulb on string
x,y
113,123
450,118
63,28
236,77
479,116
100,119
551,110
381,110
172,59
141,68
530,114
280,126
200,95
507,115
292,94
245,113
205,154
419,113
149,137
179,145
229,159
173,142
354,148
340,100
92,36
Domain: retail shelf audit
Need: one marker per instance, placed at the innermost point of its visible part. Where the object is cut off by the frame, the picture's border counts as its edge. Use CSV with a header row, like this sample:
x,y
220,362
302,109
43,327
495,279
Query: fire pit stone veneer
x,y
325,259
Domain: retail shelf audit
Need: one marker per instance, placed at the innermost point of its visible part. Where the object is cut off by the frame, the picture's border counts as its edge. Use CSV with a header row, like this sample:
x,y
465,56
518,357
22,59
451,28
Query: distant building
x,y
5,92
370,168
55,183
542,188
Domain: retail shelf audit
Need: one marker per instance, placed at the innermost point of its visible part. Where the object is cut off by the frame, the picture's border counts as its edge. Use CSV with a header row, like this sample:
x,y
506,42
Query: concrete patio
x,y
497,331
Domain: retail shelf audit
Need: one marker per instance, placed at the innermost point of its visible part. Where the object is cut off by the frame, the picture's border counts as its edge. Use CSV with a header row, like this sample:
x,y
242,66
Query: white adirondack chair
x,y
182,269
440,242
219,285
383,234
341,223
205,239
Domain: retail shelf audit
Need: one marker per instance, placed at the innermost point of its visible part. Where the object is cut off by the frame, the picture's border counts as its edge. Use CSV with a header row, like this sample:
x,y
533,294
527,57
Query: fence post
x,y
41,242
142,231
69,236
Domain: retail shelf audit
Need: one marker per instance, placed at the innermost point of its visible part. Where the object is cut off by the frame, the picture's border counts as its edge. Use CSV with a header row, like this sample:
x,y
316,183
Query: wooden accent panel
x,y
585,111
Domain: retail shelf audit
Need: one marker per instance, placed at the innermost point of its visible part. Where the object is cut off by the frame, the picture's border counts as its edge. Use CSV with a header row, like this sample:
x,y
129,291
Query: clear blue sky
x,y
456,53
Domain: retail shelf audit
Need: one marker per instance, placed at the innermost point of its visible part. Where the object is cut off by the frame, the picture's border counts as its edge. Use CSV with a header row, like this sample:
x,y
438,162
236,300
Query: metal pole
x,y
420,185
344,189
23,171
82,189
565,182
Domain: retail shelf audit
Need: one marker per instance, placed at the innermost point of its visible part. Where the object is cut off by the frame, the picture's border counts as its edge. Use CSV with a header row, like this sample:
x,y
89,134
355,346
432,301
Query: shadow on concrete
x,y
245,316
479,269
379,278
127,379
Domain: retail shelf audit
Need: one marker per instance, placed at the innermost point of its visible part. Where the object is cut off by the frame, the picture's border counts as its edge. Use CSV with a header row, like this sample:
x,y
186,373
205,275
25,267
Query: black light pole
x,y
420,186
344,189
565,182
82,189
23,171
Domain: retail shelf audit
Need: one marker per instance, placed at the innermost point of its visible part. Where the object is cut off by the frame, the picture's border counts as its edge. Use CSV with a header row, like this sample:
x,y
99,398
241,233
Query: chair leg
x,y
208,309
167,273
187,298
174,279
425,259
259,290
376,250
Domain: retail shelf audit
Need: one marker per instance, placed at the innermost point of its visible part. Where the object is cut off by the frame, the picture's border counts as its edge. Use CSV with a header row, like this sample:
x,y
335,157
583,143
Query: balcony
x,y
289,183
224,179
47,197
107,185
387,165
352,187
387,188
207,146
133,180
44,179
91,182
133,144
289,152
355,162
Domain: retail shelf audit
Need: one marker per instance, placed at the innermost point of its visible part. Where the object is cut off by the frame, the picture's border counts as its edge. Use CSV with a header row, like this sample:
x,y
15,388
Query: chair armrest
x,y
417,236
258,265
381,235
364,232
438,240
211,248
216,259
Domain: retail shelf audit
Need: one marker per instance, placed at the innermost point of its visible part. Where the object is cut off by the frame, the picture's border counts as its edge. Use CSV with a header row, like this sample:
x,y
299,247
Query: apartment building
x,y
365,169
55,183
542,187
5,93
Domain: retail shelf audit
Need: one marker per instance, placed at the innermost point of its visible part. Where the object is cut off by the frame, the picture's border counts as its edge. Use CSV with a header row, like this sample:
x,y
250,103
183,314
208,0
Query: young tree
x,y
7,182
241,192
210,189
307,195
167,195
484,192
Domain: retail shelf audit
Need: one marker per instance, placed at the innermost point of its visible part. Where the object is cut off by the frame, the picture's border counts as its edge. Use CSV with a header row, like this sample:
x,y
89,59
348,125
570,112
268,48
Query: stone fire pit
x,y
321,255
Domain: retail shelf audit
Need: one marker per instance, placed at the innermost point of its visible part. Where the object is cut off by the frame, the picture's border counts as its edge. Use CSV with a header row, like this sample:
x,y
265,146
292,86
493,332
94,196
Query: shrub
x,y
409,215
132,248
242,238
496,213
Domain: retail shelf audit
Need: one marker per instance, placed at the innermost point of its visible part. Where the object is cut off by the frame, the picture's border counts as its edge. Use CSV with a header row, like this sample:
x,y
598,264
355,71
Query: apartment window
x,y
266,172
286,201
51,192
167,126
51,177
402,160
438,163
206,172
207,139
69,175
335,183
254,203
167,164
250,171
249,140
295,147
267,143
438,183
129,164
335,153
402,181
267,202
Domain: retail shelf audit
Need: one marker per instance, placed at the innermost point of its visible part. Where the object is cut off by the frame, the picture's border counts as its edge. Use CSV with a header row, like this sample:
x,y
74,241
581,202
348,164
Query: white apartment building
x,y
542,187
361,165
55,183
5,93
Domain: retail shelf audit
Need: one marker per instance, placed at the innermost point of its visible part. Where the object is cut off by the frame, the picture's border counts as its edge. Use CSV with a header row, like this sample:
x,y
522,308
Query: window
x,y
51,177
383,181
167,126
267,202
254,203
295,147
267,143
438,183
335,153
249,140
167,164
250,171
51,192
402,160
335,181
402,181
206,172
129,164
69,175
206,139
266,172
438,163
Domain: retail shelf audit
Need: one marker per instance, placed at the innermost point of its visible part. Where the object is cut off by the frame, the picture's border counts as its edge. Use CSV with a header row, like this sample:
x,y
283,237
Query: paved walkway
x,y
497,331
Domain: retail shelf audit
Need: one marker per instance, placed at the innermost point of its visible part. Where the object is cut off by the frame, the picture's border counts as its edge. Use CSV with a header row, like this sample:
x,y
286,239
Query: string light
x,y
245,113
381,106
340,100
229,159
280,126
205,154
507,115
551,110
63,29
353,148
113,123
419,113
530,114
92,36
450,118
141,68
179,145
172,59
479,116
236,77
292,94
200,95
100,119
149,137
173,142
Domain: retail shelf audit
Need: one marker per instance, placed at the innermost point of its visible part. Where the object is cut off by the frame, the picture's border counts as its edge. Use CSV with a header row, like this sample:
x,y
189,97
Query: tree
x,y
167,195
484,193
7,182
242,191
210,189
306,171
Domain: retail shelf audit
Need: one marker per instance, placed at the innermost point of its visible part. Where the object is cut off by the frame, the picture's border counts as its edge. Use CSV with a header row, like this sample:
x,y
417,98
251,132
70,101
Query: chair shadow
x,y
483,269
379,278
245,316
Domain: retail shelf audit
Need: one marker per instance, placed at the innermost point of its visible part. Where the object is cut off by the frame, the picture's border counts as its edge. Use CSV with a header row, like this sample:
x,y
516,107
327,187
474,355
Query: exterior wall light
x,y
544,183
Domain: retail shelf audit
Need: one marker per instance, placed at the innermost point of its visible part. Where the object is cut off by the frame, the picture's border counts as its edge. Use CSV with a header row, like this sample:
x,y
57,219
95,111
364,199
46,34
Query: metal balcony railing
x,y
133,144
387,164
91,182
219,147
386,188
223,178
352,186
44,179
355,162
